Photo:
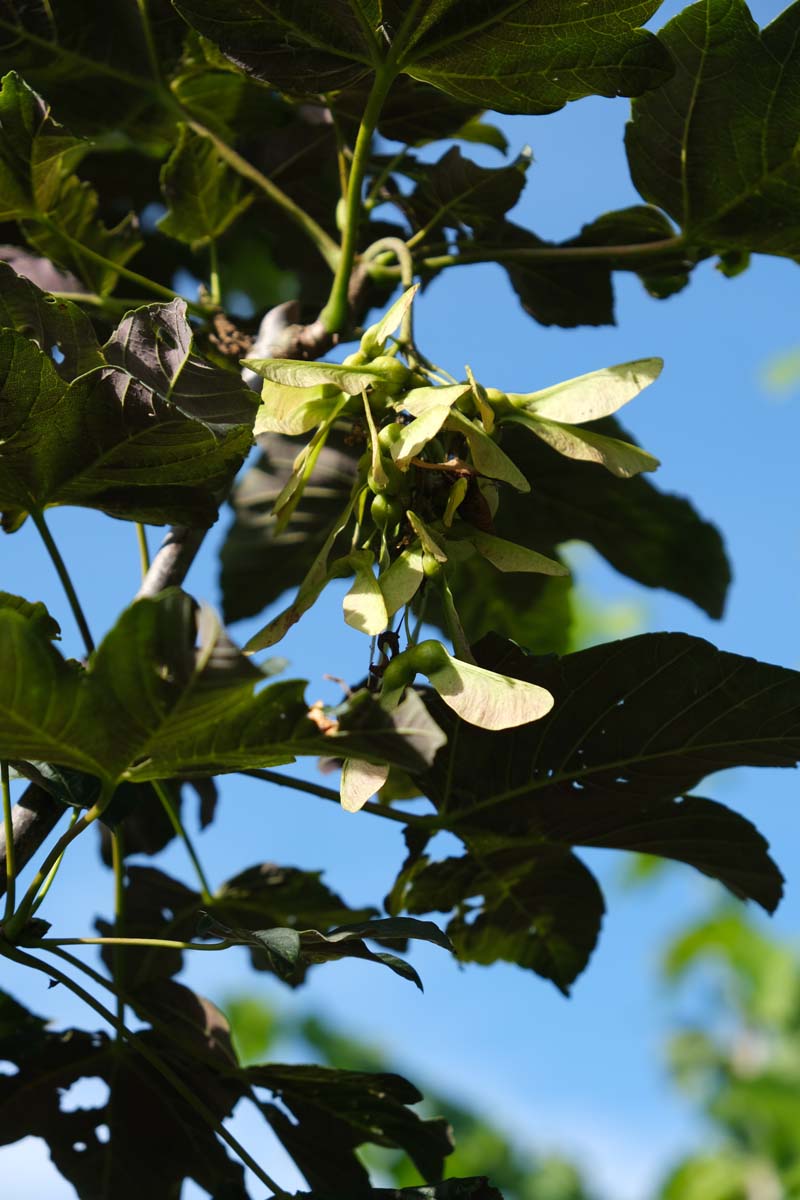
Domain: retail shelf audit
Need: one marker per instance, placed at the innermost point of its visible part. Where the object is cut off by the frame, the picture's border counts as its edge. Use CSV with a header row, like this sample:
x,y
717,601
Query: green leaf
x,y
655,538
540,909
363,605
150,706
416,435
620,458
154,346
455,191
376,336
34,611
336,1111
487,456
203,195
636,725
591,396
301,374
509,556
390,928
105,441
98,1145
36,153
560,289
510,61
293,410
360,780
732,184
38,188
486,698
52,324
402,579
97,73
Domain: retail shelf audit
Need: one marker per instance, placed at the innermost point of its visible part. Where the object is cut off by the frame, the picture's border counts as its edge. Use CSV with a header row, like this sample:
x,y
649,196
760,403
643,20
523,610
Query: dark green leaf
x,y
150,706
656,538
636,725
530,58
105,441
73,53
455,191
541,909
389,928
52,324
516,60
39,189
203,195
34,611
99,1146
416,113
476,1188
732,183
154,346
337,1111
572,290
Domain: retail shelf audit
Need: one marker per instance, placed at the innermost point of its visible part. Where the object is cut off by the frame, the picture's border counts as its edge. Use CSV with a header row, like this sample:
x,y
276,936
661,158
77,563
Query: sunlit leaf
x,y
588,397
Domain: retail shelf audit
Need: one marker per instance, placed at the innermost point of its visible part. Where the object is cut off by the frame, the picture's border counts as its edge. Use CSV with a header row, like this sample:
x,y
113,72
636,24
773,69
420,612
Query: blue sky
x,y
585,1074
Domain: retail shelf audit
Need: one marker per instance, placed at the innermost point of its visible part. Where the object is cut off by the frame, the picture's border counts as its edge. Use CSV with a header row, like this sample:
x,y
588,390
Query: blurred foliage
x,y
482,1147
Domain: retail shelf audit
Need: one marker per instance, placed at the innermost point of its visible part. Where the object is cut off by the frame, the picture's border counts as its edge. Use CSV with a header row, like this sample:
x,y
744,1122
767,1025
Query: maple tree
x,y
281,134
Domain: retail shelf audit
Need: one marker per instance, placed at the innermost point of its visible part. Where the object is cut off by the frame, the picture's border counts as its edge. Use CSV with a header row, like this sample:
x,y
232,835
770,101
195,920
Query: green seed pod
x,y
431,567
388,435
395,374
428,656
386,511
357,359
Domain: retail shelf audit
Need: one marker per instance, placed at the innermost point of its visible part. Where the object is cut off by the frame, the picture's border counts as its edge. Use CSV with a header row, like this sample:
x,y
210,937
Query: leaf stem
x,y
177,824
553,254
16,923
322,240
334,314
156,1061
144,550
214,290
117,956
316,789
8,826
66,582
150,943
51,874
149,285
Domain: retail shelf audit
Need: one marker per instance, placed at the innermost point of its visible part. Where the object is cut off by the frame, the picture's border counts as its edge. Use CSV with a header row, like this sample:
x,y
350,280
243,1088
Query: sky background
x,y
585,1075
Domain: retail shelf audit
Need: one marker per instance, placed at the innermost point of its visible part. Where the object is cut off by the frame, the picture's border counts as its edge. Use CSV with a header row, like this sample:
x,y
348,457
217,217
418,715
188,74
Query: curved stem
x,y
315,789
402,253
156,1061
177,825
66,582
334,314
8,827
